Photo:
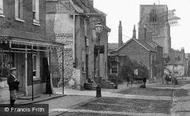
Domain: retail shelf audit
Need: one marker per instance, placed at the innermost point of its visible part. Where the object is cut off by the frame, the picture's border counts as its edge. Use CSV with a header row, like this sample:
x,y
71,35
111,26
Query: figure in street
x,y
13,85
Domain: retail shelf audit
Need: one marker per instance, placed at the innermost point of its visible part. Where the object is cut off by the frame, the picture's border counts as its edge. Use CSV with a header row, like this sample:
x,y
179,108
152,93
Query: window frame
x,y
114,69
19,10
1,8
36,67
36,12
153,18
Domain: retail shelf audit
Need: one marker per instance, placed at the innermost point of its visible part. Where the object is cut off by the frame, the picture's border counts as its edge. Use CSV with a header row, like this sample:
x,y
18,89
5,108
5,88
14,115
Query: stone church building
x,y
154,25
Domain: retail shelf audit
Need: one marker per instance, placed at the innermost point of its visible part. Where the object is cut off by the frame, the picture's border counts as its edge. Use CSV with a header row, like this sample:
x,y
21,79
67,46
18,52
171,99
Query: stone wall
x,y
60,27
68,65
136,52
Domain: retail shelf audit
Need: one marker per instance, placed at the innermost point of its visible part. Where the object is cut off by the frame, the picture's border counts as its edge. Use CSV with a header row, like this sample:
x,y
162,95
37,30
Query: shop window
x,y
6,62
36,66
19,10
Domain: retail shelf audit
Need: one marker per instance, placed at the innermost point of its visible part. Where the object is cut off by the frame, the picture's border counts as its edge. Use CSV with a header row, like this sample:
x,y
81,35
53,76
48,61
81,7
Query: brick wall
x,y
136,52
24,29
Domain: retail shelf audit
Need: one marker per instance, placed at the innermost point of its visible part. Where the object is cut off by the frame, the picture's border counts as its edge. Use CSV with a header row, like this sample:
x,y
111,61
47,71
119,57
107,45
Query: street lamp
x,y
98,28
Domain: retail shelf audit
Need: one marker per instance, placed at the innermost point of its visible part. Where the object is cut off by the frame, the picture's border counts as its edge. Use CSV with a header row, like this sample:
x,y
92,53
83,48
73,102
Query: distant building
x,y
145,52
177,62
141,52
188,64
154,25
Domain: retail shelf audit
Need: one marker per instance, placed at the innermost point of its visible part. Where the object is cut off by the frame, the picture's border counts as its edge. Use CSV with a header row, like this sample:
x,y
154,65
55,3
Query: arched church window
x,y
153,16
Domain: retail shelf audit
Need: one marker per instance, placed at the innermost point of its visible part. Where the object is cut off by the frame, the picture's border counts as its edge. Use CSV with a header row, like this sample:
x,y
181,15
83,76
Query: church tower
x,y
154,22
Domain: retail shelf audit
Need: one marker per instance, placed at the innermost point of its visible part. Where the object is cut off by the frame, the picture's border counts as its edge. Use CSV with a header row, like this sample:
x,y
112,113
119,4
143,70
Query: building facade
x,y
140,52
143,51
24,45
177,62
73,23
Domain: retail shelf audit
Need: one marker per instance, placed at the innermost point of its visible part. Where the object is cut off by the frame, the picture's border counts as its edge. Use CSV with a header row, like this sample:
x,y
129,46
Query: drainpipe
x,y
26,71
32,77
74,39
62,74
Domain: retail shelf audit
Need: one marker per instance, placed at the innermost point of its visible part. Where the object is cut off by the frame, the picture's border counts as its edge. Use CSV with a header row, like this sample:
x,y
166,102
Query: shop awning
x,y
28,42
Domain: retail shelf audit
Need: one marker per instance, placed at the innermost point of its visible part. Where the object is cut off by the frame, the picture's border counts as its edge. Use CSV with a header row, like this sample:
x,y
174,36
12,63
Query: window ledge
x,y
2,15
20,20
36,78
35,22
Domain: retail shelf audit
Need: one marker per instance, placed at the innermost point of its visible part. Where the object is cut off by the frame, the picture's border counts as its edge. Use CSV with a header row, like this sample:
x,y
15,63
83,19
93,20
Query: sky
x,y
128,12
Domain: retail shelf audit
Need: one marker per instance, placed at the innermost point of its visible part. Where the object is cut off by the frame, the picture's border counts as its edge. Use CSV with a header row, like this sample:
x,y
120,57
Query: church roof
x,y
142,43
152,43
149,45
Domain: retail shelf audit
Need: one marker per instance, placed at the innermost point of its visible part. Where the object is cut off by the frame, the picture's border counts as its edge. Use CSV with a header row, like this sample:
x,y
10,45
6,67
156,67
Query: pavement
x,y
56,106
4,94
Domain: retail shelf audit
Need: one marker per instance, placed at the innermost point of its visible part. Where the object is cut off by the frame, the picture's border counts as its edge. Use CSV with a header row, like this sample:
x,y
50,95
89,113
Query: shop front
x,y
31,59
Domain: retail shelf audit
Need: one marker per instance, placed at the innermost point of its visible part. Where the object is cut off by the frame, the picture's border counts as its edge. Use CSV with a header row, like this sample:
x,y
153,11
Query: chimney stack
x,y
120,40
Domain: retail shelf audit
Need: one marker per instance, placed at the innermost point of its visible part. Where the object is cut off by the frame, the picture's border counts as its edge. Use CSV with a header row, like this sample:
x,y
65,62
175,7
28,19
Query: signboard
x,y
65,38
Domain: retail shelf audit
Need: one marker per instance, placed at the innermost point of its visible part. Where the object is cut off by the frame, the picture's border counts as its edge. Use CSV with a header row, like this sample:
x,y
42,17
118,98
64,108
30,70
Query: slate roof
x,y
80,6
152,44
147,45
85,5
112,47
143,43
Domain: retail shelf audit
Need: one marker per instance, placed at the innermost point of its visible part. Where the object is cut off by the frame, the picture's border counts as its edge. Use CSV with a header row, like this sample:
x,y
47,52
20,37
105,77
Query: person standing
x,y
13,85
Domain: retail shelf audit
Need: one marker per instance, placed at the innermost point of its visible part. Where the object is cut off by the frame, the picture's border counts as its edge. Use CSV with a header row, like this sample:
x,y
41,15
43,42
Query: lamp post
x,y
98,28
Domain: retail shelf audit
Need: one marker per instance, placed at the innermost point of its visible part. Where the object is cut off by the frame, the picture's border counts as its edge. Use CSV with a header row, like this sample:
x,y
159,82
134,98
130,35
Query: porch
x,y
32,62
